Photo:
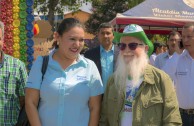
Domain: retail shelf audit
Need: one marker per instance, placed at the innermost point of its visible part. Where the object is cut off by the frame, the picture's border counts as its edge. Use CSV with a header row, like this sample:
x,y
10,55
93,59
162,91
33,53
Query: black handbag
x,y
22,118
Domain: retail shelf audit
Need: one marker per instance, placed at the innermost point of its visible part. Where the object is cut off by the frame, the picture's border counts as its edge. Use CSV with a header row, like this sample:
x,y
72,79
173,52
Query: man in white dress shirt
x,y
167,61
184,76
174,39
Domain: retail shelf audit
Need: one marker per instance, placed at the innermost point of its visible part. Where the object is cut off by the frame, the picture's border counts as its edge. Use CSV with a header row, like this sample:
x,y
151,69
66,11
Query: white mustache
x,y
127,54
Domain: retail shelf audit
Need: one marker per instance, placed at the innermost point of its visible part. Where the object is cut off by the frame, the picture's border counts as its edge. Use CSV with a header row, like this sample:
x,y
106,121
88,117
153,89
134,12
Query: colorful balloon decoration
x,y
36,29
17,16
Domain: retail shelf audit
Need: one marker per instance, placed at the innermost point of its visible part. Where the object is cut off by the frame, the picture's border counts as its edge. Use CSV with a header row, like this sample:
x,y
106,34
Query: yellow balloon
x,y
16,9
16,47
16,31
16,54
15,16
16,23
16,2
16,39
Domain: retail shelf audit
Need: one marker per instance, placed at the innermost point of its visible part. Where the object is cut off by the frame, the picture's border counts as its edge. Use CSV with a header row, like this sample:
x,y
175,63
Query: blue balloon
x,y
30,43
30,58
29,66
30,18
29,2
29,26
29,10
30,51
30,34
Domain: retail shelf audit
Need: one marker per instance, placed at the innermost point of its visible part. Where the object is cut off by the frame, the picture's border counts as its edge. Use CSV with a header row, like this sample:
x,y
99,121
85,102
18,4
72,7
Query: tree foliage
x,y
159,38
106,10
52,7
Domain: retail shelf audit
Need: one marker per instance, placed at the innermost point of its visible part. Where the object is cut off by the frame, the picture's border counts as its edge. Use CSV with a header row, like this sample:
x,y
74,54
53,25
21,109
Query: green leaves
x,y
105,11
52,7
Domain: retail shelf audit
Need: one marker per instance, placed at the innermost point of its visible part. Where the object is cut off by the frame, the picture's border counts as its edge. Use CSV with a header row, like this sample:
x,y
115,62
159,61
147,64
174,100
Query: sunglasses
x,y
132,46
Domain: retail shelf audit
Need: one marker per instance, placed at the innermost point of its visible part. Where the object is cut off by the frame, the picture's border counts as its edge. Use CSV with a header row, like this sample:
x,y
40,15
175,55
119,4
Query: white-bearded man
x,y
138,94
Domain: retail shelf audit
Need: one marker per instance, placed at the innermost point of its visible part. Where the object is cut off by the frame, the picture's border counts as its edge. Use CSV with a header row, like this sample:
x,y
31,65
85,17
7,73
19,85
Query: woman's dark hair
x,y
55,45
67,24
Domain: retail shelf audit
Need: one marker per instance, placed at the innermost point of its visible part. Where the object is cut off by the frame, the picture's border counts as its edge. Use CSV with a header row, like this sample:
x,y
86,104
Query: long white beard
x,y
134,68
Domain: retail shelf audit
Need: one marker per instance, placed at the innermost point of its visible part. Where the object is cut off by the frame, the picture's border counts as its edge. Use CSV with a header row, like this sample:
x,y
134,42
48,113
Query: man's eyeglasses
x,y
132,46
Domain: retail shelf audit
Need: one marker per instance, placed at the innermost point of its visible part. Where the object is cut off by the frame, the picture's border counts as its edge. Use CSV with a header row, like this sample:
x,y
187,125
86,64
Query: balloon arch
x,y
18,18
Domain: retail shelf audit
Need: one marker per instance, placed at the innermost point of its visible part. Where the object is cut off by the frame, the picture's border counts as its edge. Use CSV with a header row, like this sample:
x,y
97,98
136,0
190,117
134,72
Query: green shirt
x,y
13,77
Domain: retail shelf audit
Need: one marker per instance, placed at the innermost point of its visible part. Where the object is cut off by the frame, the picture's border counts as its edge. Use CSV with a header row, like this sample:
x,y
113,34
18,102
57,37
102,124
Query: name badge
x,y
182,73
81,77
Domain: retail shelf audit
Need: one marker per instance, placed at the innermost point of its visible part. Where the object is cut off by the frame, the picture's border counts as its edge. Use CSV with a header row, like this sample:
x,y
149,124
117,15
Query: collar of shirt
x,y
102,50
166,55
80,60
186,54
154,54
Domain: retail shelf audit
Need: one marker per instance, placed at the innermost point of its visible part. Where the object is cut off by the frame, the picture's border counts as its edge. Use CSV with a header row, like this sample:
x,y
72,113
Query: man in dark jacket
x,y
105,54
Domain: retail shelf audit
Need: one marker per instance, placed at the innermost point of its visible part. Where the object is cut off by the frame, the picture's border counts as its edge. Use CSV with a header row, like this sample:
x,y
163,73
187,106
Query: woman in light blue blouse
x,y
70,92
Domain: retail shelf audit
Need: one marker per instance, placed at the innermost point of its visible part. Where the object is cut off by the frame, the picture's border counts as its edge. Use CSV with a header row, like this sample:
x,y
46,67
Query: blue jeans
x,y
187,119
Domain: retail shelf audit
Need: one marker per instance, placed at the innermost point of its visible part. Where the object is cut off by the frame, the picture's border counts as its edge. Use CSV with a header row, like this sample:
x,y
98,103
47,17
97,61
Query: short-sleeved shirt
x,y
13,77
64,94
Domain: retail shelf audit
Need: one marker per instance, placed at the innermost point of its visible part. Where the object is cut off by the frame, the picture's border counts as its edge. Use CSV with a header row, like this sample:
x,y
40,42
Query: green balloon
x,y
23,36
23,58
23,43
23,14
23,22
23,51
22,28
23,6
23,1
23,47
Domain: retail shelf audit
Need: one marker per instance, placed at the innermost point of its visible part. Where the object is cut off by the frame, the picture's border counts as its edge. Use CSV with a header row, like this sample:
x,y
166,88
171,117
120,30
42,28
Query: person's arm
x,y
31,103
94,106
96,91
171,115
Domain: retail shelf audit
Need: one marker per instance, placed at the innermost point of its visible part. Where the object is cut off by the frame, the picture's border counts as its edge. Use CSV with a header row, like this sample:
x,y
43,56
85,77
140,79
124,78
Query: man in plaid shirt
x,y
13,77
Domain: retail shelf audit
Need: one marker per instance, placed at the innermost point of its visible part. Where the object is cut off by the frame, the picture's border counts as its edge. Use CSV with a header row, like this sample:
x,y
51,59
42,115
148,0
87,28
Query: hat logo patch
x,y
132,29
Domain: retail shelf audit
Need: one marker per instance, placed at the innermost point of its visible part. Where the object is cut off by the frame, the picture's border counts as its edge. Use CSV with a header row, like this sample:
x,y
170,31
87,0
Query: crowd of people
x,y
132,83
